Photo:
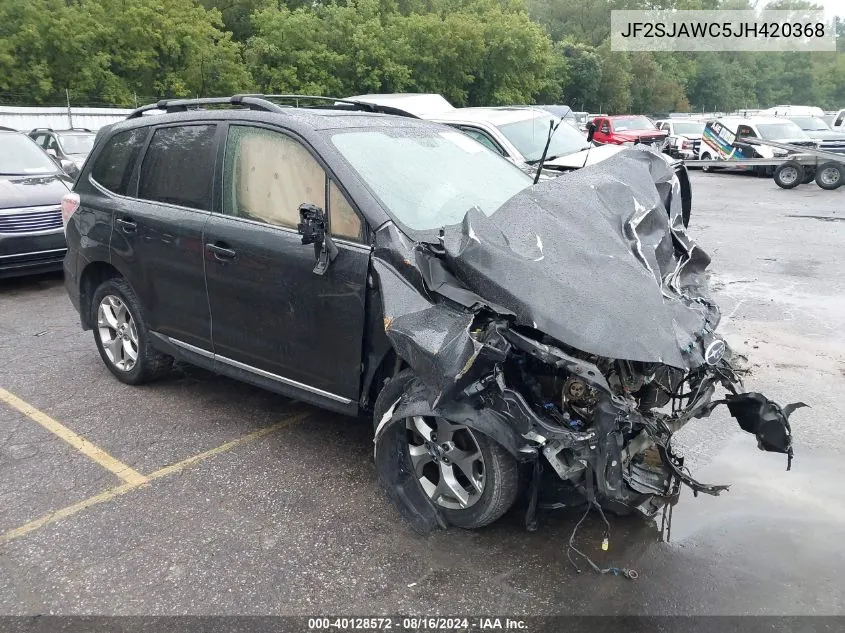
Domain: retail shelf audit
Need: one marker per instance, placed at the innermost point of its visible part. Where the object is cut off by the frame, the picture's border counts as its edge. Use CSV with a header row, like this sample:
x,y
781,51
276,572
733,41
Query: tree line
x,y
474,52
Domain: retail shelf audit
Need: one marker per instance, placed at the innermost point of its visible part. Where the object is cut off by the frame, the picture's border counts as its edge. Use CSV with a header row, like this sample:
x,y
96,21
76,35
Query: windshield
x,y
77,143
632,123
529,137
773,131
427,178
688,127
810,123
20,156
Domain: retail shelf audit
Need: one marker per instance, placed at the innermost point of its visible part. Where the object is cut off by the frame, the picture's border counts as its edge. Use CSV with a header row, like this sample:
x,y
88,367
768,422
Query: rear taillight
x,y
70,203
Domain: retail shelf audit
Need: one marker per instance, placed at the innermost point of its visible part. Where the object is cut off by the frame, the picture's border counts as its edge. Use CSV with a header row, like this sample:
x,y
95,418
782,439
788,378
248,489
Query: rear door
x,y
158,234
272,316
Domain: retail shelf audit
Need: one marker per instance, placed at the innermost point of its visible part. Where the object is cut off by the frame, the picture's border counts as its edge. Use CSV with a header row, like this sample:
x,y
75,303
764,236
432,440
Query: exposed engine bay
x,y
574,326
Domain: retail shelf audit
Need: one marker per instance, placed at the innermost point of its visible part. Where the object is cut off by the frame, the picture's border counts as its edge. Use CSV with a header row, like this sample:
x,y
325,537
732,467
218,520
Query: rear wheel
x,y
121,335
706,168
789,175
830,175
469,477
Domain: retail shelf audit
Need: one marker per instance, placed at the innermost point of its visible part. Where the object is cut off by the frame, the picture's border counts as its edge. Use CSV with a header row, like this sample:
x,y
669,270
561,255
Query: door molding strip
x,y
257,371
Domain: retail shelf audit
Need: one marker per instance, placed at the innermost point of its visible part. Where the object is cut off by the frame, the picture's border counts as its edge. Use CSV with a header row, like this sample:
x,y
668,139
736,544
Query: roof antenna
x,y
552,129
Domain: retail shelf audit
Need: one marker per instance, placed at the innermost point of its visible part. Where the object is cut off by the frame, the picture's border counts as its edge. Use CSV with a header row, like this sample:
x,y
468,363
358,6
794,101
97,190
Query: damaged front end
x,y
574,328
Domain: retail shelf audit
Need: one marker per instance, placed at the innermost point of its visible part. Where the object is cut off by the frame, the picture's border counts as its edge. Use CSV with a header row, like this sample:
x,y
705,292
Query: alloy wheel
x,y
117,331
447,461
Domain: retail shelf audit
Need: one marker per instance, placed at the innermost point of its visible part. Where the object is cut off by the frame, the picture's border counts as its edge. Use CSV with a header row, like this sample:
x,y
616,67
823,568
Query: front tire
x,y
122,337
789,175
468,477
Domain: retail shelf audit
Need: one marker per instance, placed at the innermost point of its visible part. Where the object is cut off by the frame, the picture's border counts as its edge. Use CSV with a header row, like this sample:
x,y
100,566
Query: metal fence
x,y
59,118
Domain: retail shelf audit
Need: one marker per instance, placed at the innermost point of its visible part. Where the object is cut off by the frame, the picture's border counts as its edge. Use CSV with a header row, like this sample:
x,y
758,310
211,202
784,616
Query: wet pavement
x,y
292,522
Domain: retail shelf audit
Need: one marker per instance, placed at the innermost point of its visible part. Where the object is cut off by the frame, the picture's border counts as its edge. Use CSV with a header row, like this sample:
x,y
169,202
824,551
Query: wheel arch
x,y
94,274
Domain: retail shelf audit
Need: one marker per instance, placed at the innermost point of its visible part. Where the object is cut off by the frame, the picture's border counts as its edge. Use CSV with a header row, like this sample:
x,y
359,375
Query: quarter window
x,y
344,221
179,165
113,167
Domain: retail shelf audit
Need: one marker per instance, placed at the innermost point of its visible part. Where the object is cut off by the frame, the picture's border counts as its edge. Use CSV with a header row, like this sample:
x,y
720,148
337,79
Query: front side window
x,y
744,130
179,165
482,138
267,175
428,178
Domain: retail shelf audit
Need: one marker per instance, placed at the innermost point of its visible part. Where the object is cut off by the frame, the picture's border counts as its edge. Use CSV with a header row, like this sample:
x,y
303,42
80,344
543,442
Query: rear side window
x,y
113,168
179,165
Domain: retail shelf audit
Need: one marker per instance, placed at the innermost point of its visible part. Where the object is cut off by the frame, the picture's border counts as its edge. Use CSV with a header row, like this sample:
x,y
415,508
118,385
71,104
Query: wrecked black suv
x,y
507,337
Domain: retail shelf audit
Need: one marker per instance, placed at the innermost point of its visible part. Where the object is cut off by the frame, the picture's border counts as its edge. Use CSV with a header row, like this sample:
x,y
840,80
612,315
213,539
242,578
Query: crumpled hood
x,y
31,191
595,260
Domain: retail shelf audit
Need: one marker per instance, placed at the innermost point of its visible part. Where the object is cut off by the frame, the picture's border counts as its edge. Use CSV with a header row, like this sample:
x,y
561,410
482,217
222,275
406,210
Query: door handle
x,y
127,225
220,252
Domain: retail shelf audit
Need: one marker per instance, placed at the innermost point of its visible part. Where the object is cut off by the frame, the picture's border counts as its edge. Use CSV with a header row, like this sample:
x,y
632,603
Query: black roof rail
x,y
342,104
41,129
251,102
266,103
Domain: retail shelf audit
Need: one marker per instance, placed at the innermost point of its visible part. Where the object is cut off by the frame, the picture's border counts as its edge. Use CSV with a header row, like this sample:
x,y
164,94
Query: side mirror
x,y
312,228
312,224
591,132
69,167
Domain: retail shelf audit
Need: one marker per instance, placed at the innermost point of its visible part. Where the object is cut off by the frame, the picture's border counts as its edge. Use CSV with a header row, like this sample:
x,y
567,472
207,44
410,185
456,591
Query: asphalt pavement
x,y
213,497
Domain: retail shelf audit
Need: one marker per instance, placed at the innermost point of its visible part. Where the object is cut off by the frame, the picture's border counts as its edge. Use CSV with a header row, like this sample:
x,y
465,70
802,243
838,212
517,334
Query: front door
x,y
603,131
271,314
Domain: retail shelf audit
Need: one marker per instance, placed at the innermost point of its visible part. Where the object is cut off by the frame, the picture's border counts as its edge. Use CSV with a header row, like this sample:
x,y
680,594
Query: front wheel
x,y
830,175
468,477
789,175
121,335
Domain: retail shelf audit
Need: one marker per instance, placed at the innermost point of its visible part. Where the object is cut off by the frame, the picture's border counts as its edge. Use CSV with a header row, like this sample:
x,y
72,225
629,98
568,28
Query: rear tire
x,y
789,175
830,175
706,168
499,471
120,333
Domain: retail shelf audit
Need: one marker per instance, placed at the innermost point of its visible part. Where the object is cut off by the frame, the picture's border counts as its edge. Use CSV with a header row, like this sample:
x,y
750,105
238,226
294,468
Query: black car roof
x,y
295,118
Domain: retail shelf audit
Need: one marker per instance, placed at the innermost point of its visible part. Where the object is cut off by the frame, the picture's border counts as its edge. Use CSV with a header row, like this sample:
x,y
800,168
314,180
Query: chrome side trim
x,y
259,372
282,379
27,254
191,348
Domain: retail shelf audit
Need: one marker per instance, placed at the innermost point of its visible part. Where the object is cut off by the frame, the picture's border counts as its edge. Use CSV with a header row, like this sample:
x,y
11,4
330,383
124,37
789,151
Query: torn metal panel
x,y
594,259
574,326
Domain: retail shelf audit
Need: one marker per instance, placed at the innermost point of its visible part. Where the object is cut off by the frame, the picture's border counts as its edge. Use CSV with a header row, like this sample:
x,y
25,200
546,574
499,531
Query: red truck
x,y
616,130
